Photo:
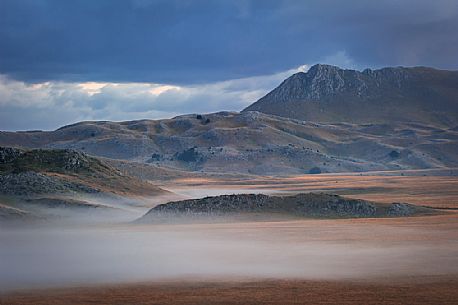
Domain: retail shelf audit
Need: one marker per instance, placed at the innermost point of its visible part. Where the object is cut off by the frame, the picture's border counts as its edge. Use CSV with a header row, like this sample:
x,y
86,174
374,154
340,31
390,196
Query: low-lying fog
x,y
65,256
122,210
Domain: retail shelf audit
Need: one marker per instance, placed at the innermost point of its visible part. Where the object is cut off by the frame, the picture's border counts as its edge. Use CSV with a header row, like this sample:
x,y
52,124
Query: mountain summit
x,y
329,94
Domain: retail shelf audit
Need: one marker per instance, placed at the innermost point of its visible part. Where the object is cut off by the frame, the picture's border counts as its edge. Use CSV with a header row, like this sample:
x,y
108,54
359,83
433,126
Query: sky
x,y
67,61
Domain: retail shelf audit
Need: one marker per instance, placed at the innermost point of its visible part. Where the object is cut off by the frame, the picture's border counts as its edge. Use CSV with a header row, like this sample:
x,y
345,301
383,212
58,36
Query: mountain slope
x,y
252,142
330,94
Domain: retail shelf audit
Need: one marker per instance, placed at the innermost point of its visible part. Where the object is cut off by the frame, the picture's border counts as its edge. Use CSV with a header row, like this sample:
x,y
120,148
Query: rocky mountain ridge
x,y
329,94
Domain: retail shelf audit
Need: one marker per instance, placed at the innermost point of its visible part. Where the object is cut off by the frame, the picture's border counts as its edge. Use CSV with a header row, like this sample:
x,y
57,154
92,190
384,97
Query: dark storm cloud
x,y
198,41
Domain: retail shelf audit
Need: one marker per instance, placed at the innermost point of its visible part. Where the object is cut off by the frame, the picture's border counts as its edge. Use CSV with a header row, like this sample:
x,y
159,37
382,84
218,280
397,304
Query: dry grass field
x,y
282,292
364,261
421,189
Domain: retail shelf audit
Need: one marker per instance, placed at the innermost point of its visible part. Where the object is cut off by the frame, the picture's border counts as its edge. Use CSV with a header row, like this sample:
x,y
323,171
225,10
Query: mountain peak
x,y
318,71
317,83
323,68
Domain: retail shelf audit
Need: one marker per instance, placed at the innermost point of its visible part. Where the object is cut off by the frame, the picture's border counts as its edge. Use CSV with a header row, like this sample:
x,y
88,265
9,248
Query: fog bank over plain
x,y
315,249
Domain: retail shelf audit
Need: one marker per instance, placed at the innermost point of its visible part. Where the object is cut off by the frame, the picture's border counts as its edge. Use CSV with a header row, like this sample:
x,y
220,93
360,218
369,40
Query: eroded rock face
x,y
324,81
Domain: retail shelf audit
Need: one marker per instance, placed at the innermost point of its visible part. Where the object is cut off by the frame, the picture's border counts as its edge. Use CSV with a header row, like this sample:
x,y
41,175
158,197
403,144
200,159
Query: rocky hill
x,y
38,183
302,205
329,94
50,171
252,143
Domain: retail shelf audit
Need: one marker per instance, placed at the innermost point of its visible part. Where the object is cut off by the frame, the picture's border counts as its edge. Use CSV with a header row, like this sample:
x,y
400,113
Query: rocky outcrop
x,y
401,209
9,154
302,205
55,160
15,160
32,183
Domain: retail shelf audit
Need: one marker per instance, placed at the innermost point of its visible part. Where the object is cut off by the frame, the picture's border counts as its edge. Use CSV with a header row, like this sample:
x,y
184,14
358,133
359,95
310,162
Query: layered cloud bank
x,y
49,105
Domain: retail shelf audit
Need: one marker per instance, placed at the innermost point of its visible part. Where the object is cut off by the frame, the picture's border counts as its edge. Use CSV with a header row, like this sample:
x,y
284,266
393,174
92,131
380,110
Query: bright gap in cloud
x,y
50,105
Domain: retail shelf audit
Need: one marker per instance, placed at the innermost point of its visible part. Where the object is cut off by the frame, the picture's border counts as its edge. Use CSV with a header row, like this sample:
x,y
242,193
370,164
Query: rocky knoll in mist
x,y
252,143
329,94
309,205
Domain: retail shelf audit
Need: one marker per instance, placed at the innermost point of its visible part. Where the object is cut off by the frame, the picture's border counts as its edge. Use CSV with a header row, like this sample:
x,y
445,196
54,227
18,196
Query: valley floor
x,y
363,261
437,189
408,260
